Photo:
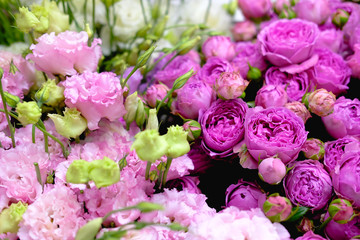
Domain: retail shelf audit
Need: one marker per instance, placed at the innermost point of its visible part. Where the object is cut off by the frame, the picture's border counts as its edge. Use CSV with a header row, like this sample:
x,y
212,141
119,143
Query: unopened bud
x,y
89,230
313,148
148,207
176,139
159,29
78,172
321,102
180,81
188,33
188,45
253,74
104,172
11,100
26,21
340,18
341,211
141,61
277,208
10,217
28,112
193,129
141,33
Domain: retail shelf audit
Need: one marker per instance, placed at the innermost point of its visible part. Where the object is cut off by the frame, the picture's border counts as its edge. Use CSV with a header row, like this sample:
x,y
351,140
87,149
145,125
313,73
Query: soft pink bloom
x,y
155,233
96,96
316,11
321,102
272,170
331,39
67,53
54,215
354,62
299,109
244,31
271,96
254,9
230,85
154,93
219,46
189,183
4,200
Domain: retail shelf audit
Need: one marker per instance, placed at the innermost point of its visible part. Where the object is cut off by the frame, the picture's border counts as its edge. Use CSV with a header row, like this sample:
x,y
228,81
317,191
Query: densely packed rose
x,y
222,126
345,119
271,96
287,42
67,53
212,70
218,46
308,184
337,231
254,9
316,11
274,131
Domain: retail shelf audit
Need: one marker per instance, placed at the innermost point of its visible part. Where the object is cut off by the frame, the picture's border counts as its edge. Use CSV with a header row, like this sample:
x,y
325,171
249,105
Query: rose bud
x,y
254,9
193,129
299,109
272,170
244,195
341,211
246,160
230,85
340,18
218,46
277,208
345,231
310,235
271,96
321,102
316,11
345,119
155,93
308,184
313,149
244,31
280,5
28,112
305,225
187,182
11,217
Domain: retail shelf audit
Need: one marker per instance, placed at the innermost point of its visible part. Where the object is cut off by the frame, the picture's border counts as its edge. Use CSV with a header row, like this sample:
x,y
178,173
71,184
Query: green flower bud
x,y
176,138
189,32
149,145
26,21
141,61
10,217
141,33
133,55
180,81
153,176
341,211
340,18
50,94
140,113
78,172
71,125
58,21
188,45
148,207
145,45
253,73
43,15
193,129
104,172
159,29
277,208
11,100
28,112
131,105
152,122
231,7
89,230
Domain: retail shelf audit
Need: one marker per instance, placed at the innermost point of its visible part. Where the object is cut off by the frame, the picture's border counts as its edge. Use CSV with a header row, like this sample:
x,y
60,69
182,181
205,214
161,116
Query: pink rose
x,y
316,11
219,46
271,96
244,31
230,85
254,9
272,170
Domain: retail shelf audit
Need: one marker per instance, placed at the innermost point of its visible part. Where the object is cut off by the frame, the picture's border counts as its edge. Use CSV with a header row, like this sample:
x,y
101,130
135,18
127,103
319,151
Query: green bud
x,y
159,28
78,172
340,18
89,230
140,113
26,21
50,94
188,45
176,138
253,73
180,81
148,207
71,125
145,45
10,217
149,145
176,227
28,112
189,32
11,100
152,122
277,208
141,33
131,105
193,129
104,172
88,30
132,57
58,21
231,7
341,211
141,61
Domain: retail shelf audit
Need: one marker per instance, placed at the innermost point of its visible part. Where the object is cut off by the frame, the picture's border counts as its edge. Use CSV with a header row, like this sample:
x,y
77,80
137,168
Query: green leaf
x,y
297,213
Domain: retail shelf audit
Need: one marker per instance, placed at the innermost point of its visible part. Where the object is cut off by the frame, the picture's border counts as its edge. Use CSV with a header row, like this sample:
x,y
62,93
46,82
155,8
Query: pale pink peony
x,y
54,215
96,96
67,53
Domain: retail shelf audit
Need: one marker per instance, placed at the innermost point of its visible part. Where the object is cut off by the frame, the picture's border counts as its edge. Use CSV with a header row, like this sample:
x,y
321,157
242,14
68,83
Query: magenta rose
x,y
283,46
345,119
354,62
67,53
337,231
316,11
244,31
222,126
346,178
308,184
271,96
310,235
274,131
296,84
219,46
331,72
213,68
254,9
331,39
244,195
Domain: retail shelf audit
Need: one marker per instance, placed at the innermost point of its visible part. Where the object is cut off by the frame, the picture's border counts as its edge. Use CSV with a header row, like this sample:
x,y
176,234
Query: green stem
x,y
207,12
38,175
143,12
170,60
65,152
181,25
11,129
110,26
123,83
167,7
168,163
33,134
93,16
85,11
147,171
46,139
323,225
164,99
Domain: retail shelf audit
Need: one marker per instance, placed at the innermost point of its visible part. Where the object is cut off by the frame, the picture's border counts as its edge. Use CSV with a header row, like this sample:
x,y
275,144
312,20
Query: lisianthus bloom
x,y
316,11
96,96
271,96
345,119
67,53
223,126
219,46
282,46
274,131
308,184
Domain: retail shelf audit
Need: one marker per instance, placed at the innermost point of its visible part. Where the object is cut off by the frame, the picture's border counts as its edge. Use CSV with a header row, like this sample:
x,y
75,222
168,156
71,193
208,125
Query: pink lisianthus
x,y
67,53
96,96
156,232
54,215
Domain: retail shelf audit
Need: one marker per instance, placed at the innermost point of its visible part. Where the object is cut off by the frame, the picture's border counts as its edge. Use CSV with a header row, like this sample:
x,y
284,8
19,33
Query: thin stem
x,y
123,83
117,210
85,11
170,60
65,153
93,16
46,139
143,12
207,12
167,7
33,134
164,99
168,163
6,111
147,171
321,227
38,175
110,26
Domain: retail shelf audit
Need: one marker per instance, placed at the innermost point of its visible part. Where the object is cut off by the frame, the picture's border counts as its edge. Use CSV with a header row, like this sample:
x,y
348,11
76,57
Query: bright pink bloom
x,y
244,31
219,46
316,11
272,170
271,96
255,9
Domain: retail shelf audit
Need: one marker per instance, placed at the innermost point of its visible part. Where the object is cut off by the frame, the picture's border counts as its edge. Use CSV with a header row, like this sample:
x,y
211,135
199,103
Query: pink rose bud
x,y
272,170
299,109
316,11
254,9
341,211
313,149
340,17
280,5
271,96
230,85
277,208
321,102
244,31
193,129
155,93
305,225
246,160
219,46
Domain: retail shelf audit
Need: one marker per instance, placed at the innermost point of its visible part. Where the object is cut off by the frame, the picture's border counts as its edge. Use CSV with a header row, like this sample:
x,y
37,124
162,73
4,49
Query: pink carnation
x,y
54,215
96,96
67,53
